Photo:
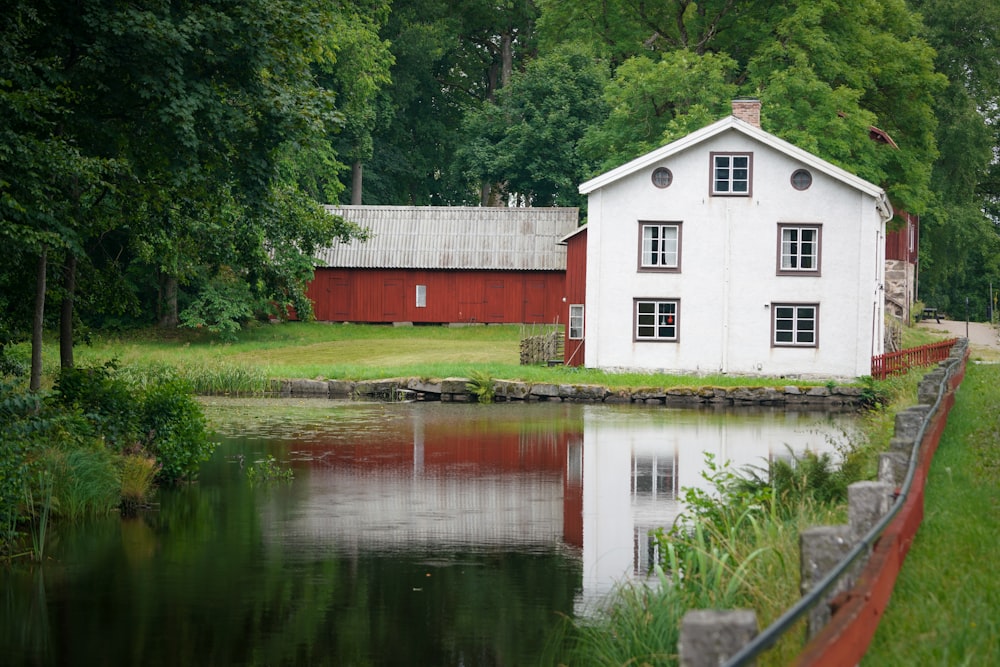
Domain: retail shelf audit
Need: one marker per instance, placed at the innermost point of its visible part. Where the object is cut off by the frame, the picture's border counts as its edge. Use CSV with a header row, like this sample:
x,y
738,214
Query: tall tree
x,y
960,237
528,141
166,120
449,59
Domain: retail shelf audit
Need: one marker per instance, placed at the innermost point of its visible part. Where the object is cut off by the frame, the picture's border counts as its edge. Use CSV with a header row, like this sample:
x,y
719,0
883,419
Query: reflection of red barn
x,y
446,264
436,450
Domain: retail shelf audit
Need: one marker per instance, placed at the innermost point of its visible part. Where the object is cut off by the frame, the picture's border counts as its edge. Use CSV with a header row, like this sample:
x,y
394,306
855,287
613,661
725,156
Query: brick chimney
x,y
747,110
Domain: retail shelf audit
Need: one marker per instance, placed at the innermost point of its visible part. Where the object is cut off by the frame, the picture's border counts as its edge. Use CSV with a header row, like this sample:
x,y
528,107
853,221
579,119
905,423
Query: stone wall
x,y
456,390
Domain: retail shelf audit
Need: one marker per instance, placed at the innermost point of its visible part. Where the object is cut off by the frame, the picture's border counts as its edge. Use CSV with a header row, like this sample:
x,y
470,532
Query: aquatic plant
x,y
269,471
481,385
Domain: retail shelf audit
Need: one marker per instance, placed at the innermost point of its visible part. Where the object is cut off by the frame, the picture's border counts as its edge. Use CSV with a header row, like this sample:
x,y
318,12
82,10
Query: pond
x,y
412,534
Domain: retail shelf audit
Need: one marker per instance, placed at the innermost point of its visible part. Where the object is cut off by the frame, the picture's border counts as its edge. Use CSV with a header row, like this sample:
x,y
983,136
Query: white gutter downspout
x,y
725,289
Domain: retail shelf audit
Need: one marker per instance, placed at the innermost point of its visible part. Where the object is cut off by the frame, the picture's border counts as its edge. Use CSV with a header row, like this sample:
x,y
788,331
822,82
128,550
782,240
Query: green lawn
x,y
356,351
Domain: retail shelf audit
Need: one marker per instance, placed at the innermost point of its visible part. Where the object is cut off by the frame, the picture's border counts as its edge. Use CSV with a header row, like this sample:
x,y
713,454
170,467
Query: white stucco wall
x,y
728,278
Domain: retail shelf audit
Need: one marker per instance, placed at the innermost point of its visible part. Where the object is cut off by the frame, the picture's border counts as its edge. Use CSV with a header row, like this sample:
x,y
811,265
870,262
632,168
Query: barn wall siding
x,y
390,295
576,293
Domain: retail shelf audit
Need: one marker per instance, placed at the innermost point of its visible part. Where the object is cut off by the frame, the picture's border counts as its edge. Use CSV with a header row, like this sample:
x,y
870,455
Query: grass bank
x,y
355,352
943,610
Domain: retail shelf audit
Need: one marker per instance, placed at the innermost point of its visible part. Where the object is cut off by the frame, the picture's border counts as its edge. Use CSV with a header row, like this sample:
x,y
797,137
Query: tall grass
x,y
137,478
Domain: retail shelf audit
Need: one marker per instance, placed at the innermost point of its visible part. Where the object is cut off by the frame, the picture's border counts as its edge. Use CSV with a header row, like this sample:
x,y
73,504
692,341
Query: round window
x,y
662,177
801,179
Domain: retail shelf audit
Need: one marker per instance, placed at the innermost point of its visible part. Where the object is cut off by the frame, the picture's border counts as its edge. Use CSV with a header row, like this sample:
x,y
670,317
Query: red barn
x,y
426,264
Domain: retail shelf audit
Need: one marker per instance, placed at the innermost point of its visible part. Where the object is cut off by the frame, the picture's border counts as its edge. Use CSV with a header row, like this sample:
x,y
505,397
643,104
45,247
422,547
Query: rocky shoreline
x,y
459,390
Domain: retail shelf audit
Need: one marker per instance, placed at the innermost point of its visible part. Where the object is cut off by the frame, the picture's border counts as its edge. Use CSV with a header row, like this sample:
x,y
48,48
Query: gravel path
x,y
980,334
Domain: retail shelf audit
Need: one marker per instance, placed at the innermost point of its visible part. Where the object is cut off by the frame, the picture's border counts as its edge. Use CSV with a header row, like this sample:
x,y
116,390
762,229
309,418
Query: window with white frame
x,y
656,319
799,249
660,246
731,173
795,324
421,296
576,321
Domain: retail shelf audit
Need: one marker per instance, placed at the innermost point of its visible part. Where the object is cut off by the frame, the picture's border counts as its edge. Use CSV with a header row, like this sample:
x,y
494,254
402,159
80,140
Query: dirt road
x,y
984,339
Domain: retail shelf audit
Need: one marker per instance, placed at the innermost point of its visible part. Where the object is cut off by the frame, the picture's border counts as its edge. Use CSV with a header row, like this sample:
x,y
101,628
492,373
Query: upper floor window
x,y
731,173
798,249
662,177
660,246
795,325
656,319
801,179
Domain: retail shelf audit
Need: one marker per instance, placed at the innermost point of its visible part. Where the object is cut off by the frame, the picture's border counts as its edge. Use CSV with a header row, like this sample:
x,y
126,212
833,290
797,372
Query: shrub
x,y
108,403
175,431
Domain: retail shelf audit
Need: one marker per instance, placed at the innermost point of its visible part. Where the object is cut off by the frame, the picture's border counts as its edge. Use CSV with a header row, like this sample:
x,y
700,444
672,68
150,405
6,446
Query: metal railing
x,y
770,635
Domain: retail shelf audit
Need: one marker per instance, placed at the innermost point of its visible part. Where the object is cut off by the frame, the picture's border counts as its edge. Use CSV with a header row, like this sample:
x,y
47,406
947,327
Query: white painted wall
x,y
728,266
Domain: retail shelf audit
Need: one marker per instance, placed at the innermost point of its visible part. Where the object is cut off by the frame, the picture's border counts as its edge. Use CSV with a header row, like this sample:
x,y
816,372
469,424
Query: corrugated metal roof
x,y
445,237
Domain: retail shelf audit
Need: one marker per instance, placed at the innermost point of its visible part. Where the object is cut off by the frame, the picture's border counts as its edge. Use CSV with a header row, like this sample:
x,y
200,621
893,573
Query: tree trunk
x,y
357,177
506,59
35,382
66,313
169,318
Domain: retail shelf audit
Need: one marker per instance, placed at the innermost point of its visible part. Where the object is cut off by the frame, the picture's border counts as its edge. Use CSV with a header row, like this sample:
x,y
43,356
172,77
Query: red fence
x,y
894,363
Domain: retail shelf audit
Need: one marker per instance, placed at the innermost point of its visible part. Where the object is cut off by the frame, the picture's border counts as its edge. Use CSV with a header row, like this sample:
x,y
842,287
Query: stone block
x,y
309,388
340,388
867,503
821,550
710,637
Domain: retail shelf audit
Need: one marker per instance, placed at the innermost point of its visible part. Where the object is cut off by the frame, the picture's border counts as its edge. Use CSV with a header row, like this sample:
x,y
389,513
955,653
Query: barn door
x,y
339,299
534,300
392,300
495,301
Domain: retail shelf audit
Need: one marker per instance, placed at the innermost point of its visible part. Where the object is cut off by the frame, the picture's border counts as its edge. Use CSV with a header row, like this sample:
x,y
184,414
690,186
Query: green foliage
x,y
107,404
174,429
653,100
222,307
269,471
481,385
528,139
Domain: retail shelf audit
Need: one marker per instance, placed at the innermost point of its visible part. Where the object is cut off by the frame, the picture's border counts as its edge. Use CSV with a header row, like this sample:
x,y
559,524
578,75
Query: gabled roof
x,y
445,237
733,124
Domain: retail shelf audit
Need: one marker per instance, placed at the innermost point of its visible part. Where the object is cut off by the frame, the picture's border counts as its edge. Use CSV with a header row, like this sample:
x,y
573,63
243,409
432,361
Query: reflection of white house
x,y
731,250
637,463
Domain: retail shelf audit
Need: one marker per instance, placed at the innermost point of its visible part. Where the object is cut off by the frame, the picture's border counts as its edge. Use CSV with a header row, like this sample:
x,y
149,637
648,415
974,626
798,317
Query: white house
x,y
731,250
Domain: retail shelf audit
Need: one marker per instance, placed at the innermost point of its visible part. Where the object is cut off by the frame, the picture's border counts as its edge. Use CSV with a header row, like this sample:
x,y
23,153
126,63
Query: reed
x,y
138,475
85,482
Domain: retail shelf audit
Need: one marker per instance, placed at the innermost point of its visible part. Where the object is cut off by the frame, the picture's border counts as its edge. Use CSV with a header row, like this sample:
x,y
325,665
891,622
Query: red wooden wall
x,y
903,242
389,295
576,293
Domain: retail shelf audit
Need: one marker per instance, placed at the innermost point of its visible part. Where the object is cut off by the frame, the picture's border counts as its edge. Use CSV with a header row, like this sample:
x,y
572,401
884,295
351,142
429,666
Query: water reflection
x,y
412,534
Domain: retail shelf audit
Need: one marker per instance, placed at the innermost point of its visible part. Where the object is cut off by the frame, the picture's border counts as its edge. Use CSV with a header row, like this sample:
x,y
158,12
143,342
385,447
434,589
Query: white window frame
x,y
658,252
796,324
791,256
421,296
732,174
656,320
575,331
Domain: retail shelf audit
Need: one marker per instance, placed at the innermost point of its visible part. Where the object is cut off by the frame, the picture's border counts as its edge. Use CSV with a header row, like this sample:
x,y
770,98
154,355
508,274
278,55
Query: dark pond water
x,y
412,534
